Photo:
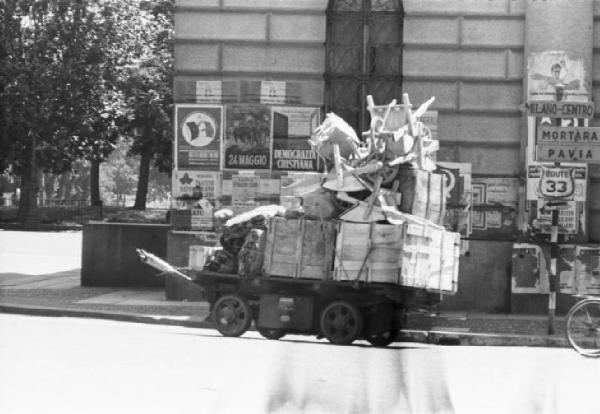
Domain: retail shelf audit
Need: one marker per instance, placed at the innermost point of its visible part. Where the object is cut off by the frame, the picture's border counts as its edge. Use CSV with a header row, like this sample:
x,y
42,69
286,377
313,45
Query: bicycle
x,y
583,327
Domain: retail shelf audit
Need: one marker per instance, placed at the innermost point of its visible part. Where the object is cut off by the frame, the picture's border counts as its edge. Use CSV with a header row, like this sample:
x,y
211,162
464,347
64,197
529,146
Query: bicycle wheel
x,y
583,327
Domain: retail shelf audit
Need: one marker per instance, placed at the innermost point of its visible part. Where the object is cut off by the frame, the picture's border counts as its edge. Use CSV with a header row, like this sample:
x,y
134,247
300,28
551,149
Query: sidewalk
x,y
60,294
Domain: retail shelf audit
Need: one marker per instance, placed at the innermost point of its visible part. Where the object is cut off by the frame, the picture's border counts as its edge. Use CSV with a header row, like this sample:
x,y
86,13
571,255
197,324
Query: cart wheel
x,y
231,315
271,333
382,338
341,322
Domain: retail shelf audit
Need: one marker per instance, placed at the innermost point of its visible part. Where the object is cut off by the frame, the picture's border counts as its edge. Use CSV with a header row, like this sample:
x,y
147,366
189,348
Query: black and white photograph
x,y
299,206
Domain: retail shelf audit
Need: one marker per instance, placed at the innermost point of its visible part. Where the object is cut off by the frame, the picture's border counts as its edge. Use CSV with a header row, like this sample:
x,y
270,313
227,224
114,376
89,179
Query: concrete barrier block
x,y
491,96
221,26
464,64
493,32
431,30
109,255
179,242
297,28
274,59
190,57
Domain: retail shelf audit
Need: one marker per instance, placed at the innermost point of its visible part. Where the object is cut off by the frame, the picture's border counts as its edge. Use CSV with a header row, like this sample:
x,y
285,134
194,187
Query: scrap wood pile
x,y
375,215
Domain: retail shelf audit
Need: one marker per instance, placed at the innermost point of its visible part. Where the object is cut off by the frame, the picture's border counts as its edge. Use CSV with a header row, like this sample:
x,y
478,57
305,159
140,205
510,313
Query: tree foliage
x,y
77,74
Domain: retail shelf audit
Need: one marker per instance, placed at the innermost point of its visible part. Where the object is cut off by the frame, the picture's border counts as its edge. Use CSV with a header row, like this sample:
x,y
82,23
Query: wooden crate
x,y
429,258
415,254
368,252
299,248
422,194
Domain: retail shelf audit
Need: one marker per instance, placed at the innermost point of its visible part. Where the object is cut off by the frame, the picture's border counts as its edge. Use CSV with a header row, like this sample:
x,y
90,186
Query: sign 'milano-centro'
x,y
566,144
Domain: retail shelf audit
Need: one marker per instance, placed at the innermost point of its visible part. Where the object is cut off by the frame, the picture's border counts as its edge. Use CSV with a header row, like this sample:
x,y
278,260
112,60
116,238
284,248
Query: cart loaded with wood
x,y
350,251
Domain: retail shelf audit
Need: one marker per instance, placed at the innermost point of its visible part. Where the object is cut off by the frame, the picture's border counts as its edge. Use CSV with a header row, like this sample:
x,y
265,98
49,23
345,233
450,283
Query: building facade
x,y
484,61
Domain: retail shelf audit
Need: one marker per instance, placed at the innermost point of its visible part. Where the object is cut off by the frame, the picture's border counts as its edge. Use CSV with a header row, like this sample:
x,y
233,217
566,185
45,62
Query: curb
x,y
408,335
114,316
481,339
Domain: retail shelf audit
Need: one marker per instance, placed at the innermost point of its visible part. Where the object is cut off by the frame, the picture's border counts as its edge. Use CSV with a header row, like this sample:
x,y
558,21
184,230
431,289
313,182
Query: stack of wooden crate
x,y
415,254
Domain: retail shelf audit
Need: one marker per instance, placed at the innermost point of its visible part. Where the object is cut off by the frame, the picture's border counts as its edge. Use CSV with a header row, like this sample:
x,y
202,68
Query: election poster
x,y
554,75
198,137
244,192
248,137
292,127
188,182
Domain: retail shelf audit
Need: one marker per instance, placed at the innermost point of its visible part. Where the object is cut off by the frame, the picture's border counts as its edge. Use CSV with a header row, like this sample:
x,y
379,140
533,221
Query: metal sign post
x,y
555,144
554,207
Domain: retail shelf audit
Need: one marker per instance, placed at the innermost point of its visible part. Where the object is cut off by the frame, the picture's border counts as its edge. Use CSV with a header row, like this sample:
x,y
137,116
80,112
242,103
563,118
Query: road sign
x,y
557,182
554,205
547,134
568,153
560,109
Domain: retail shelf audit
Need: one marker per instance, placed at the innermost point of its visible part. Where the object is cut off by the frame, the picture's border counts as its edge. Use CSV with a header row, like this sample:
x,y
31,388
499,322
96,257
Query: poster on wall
x,y
188,182
570,218
248,137
244,192
552,71
272,92
495,207
588,270
529,272
292,127
209,92
198,137
458,196
565,267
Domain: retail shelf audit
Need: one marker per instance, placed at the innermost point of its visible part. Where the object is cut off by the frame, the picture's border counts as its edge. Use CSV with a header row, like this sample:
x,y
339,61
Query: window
x,y
363,57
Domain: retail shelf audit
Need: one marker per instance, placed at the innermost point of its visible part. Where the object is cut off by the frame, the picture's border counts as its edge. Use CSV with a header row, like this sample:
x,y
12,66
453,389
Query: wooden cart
x,y
341,311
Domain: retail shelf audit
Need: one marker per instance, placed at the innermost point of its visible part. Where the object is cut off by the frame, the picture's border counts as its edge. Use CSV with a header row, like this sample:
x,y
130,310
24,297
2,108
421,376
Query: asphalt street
x,y
69,365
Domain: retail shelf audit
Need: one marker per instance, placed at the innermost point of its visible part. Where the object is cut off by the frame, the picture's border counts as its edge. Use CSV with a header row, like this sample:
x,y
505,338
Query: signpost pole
x,y
554,245
553,271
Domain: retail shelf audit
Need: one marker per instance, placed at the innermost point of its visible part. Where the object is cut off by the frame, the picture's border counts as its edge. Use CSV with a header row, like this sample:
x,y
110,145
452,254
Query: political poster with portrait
x,y
248,137
554,75
292,127
198,137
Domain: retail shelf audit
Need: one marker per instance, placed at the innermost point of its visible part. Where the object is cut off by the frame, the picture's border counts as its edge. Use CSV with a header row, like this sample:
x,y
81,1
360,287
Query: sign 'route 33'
x,y
557,182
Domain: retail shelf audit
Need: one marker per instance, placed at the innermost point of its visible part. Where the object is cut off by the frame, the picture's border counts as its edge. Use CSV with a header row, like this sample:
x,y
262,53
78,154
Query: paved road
x,y
34,253
66,365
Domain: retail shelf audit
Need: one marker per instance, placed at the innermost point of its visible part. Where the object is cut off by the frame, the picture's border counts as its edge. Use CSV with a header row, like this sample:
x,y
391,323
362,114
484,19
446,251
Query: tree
x,y
147,89
118,174
53,81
